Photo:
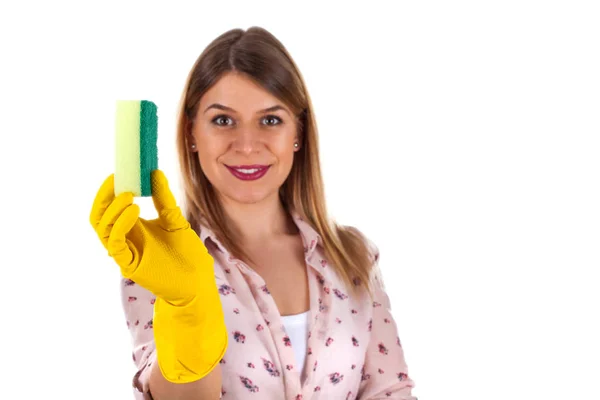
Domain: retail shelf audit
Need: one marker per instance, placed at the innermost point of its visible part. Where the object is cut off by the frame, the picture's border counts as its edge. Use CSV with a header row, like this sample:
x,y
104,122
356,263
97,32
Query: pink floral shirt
x,y
353,348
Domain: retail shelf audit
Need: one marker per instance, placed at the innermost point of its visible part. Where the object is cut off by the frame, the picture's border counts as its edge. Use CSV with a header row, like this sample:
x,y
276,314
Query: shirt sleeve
x,y
138,305
385,372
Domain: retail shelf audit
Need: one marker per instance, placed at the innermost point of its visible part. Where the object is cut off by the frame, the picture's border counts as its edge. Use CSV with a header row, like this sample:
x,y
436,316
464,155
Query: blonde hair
x,y
257,54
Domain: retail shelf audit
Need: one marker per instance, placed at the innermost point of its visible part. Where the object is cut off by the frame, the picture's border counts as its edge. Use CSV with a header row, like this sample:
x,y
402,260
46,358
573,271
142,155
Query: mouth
x,y
248,172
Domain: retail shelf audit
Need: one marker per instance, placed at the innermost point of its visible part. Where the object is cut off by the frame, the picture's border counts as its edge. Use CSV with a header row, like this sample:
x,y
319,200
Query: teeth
x,y
247,171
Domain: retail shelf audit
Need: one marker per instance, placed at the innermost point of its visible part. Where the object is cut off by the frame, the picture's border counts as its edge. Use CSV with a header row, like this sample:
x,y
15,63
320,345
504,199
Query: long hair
x,y
260,56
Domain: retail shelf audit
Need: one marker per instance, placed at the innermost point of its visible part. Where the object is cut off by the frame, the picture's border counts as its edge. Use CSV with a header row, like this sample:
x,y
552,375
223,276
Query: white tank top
x,y
296,327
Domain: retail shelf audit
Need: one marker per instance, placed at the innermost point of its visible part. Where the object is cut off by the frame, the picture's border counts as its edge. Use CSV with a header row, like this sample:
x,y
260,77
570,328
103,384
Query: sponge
x,y
136,152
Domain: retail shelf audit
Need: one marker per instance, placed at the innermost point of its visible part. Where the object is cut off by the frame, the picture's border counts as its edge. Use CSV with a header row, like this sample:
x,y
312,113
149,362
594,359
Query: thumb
x,y
169,213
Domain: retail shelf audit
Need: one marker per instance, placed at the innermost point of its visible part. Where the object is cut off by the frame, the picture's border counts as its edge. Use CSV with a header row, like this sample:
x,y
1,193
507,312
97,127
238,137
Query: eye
x,y
273,117
219,117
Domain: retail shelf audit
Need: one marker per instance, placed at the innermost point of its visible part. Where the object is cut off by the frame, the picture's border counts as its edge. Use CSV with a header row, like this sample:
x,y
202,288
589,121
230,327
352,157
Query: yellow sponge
x,y
136,152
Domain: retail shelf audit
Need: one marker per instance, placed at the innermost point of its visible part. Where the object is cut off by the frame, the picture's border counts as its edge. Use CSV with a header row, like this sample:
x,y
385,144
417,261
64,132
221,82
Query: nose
x,y
246,140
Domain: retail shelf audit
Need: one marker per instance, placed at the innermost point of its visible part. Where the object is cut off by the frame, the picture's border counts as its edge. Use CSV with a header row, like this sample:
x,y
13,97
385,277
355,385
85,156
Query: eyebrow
x,y
225,108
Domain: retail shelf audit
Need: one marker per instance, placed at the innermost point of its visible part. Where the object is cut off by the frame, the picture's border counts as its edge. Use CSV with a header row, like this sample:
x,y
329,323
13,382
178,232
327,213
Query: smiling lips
x,y
248,172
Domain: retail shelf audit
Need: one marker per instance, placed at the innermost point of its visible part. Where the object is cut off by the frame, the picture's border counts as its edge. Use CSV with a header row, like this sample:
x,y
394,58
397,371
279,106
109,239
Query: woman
x,y
255,292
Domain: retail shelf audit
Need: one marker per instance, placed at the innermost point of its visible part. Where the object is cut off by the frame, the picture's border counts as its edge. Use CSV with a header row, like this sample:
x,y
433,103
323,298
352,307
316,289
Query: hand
x,y
163,255
166,256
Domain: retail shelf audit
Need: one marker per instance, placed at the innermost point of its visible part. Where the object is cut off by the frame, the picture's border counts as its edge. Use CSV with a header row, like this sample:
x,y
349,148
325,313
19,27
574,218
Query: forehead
x,y
240,93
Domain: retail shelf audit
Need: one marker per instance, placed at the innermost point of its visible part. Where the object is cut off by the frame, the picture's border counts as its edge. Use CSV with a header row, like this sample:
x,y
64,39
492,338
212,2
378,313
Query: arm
x,y
385,372
207,388
149,382
181,328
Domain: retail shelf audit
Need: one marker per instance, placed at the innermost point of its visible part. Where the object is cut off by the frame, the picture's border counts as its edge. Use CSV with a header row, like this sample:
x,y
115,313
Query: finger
x,y
118,246
112,213
164,202
104,197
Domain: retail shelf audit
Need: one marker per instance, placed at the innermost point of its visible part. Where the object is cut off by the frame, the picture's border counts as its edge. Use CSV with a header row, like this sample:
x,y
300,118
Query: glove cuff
x,y
190,340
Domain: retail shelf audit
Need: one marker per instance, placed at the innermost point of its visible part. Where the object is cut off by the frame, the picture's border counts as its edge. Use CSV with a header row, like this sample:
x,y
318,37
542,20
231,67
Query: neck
x,y
256,223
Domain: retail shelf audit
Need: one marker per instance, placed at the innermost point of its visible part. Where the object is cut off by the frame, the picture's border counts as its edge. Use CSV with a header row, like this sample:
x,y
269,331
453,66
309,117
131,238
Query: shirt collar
x,y
310,237
206,233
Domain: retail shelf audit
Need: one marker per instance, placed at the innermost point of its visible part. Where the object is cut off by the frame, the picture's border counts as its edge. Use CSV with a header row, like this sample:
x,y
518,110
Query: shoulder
x,y
369,245
374,273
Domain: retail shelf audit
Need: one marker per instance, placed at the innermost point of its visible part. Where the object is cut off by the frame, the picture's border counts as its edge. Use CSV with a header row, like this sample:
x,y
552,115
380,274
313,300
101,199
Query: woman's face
x,y
244,137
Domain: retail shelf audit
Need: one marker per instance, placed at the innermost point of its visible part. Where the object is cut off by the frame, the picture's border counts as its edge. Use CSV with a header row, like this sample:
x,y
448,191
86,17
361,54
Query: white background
x,y
462,137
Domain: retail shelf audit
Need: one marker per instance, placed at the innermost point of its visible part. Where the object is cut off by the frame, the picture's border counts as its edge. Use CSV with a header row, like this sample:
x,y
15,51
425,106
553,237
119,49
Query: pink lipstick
x,y
248,172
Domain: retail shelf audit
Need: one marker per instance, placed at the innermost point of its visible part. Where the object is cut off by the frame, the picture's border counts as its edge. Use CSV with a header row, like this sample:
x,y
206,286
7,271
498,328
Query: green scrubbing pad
x,y
136,152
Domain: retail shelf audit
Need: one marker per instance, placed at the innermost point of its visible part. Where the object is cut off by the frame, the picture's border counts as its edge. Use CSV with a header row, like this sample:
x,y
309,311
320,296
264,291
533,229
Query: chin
x,y
249,196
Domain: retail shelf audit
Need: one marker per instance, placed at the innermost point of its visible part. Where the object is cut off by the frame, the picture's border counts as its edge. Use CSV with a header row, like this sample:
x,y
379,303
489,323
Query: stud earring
x,y
296,145
193,146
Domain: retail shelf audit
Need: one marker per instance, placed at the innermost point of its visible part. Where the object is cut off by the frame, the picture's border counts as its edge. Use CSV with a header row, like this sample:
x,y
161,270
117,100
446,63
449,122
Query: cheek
x,y
210,147
208,153
284,149
287,158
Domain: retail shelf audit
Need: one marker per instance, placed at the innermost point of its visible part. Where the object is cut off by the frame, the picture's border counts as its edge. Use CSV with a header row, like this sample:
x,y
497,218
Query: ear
x,y
190,140
297,143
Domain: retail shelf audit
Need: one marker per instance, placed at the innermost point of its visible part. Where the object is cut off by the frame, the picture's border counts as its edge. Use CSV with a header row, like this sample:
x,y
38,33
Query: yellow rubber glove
x,y
166,256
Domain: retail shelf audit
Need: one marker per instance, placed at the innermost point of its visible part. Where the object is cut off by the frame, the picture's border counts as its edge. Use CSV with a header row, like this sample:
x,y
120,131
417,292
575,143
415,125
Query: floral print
x,y
353,350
